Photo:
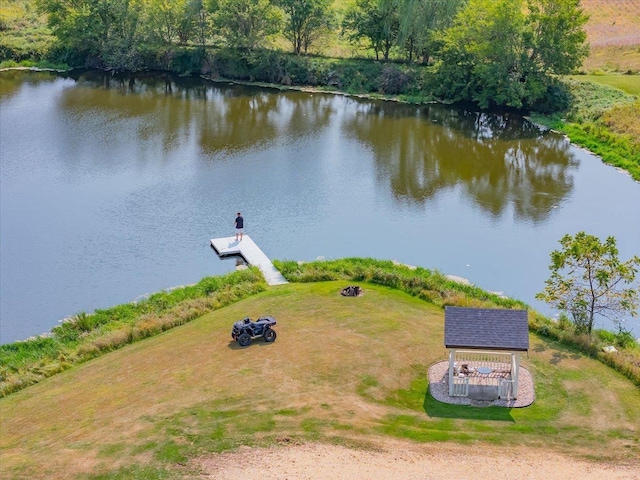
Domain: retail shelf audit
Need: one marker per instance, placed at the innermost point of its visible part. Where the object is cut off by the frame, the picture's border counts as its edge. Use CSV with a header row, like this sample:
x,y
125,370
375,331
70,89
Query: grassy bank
x,y
435,288
627,83
604,117
429,285
87,336
342,370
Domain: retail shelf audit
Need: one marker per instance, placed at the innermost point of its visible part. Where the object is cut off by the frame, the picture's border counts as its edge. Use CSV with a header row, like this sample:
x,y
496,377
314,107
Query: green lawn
x,y
341,370
626,83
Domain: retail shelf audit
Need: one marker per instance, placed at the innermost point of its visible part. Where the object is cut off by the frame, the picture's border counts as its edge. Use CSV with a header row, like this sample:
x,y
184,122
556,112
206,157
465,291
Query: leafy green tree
x,y
481,54
168,21
105,29
505,52
420,20
162,17
196,21
73,23
555,37
374,21
588,279
305,20
246,23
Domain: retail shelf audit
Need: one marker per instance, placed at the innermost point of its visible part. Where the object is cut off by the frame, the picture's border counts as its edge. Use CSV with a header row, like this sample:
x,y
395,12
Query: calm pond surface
x,y
112,187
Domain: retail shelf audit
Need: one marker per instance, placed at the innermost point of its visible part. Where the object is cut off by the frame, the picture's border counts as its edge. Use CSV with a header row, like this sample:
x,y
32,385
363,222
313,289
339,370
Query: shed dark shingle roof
x,y
486,328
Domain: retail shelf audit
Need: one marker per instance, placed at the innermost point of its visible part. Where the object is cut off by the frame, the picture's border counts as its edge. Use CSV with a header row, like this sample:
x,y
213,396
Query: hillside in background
x,y
613,32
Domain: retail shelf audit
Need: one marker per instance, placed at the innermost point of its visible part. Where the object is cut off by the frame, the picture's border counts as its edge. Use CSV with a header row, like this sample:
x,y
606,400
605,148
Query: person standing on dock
x,y
239,226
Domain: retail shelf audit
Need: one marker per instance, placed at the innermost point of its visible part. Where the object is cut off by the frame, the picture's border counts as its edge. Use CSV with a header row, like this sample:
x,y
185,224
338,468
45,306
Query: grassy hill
x,y
342,370
613,33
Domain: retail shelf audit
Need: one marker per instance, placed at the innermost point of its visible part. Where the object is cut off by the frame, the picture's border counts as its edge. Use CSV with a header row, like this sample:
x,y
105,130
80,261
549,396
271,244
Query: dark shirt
x,y
239,221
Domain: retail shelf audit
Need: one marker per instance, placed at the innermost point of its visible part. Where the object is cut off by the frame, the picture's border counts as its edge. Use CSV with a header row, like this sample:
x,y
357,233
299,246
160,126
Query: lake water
x,y
112,187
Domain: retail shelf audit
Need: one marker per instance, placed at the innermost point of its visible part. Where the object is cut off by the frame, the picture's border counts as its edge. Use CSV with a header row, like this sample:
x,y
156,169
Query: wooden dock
x,y
247,249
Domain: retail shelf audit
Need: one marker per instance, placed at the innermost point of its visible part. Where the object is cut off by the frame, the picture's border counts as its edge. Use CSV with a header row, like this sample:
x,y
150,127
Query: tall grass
x,y
86,336
604,120
428,285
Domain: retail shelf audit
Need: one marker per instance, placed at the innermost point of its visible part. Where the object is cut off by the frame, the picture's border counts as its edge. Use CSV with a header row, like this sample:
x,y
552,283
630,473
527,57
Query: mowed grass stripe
x,y
342,369
626,83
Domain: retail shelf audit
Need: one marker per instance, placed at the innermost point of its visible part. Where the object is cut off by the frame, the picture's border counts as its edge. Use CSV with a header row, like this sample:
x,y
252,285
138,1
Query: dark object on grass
x,y
246,329
351,291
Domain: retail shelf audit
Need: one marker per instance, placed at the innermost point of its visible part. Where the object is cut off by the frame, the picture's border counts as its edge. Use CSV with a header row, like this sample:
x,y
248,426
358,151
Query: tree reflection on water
x,y
497,160
500,161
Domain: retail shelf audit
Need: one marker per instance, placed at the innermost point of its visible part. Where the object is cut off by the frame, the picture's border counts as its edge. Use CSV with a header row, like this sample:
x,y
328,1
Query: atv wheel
x,y
244,339
269,335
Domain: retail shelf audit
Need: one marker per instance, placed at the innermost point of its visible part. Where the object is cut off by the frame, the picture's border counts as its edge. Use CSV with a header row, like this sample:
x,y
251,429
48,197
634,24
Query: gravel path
x,y
398,460
392,459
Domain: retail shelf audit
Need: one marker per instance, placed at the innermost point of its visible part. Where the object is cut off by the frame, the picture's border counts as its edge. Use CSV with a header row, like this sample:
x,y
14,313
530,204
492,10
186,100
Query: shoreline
x,y
319,90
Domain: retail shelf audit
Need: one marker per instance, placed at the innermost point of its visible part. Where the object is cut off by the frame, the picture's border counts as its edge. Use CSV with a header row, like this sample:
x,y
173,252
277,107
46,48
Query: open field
x,y
343,371
612,22
613,58
613,33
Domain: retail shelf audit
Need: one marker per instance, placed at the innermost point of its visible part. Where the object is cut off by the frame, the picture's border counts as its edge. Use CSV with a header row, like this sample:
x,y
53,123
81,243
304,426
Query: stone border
x,y
439,389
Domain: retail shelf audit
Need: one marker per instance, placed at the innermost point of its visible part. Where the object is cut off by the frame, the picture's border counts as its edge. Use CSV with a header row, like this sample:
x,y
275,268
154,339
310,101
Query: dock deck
x,y
247,249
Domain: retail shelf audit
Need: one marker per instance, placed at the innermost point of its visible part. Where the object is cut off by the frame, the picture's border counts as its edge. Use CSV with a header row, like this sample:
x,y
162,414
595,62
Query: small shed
x,y
484,351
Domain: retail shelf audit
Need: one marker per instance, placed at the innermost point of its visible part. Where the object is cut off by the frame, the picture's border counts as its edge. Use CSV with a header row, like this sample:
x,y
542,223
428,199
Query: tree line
x,y
490,52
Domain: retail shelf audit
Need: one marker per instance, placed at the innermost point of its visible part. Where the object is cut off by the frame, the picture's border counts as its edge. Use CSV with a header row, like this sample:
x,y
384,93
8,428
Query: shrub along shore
x,y
86,336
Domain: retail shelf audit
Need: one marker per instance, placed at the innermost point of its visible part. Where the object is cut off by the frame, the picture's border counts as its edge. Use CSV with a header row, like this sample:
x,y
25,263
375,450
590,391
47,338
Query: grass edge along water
x,y
86,336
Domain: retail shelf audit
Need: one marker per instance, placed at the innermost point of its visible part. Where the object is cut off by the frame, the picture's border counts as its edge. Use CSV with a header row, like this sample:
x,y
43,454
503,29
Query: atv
x,y
246,329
